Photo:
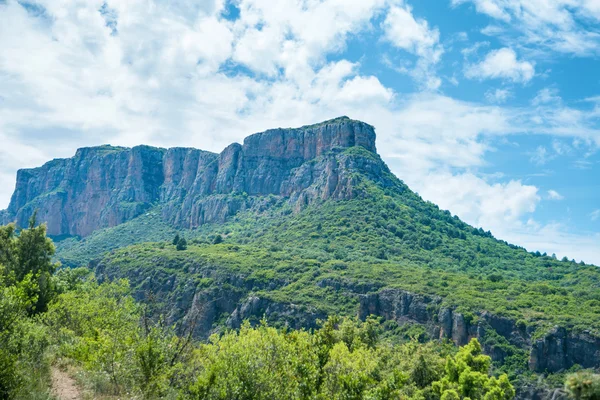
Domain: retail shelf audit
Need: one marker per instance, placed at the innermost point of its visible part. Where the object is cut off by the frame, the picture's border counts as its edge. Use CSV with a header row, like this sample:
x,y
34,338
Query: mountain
x,y
298,224
105,186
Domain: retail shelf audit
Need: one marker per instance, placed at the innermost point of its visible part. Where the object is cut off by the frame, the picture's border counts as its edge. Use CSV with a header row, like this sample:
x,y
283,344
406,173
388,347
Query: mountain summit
x,y
105,186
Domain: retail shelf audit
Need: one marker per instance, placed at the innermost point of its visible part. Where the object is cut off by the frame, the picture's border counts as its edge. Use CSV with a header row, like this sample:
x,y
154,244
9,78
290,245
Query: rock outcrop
x,y
560,350
291,315
105,186
206,309
557,351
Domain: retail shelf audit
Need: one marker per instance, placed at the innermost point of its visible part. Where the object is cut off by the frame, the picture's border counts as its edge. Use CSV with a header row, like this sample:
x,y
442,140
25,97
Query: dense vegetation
x,y
100,334
99,331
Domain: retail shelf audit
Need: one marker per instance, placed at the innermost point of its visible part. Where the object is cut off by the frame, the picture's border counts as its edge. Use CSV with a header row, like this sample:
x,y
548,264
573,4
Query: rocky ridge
x,y
105,186
556,351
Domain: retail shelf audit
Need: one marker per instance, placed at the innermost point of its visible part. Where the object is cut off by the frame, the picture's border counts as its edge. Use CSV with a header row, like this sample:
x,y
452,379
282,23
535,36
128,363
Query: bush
x,y
583,386
182,244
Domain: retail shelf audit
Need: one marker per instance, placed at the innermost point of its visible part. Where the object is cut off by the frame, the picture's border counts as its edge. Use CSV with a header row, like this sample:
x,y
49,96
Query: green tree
x,y
182,244
97,325
467,374
257,363
349,374
583,386
34,255
8,248
176,239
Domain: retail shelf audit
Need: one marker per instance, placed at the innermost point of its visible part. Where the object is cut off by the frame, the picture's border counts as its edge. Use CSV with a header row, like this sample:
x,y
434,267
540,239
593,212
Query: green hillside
x,y
388,236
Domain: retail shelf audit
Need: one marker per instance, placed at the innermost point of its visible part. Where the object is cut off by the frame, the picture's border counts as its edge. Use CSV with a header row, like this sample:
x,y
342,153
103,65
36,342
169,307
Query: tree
x,y
182,244
176,240
8,247
583,386
218,239
467,374
34,254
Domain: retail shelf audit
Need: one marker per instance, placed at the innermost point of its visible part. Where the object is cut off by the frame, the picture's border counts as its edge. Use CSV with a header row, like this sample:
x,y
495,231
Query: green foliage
x,y
342,360
182,244
467,376
385,235
319,256
148,227
583,386
28,257
111,337
22,341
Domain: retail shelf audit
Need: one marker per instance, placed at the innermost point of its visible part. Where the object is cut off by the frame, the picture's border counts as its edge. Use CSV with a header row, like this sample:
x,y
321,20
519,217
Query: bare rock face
x,y
105,186
557,351
255,308
560,349
99,187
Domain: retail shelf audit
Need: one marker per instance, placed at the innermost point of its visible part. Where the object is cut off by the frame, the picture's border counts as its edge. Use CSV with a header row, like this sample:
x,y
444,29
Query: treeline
x,y
97,332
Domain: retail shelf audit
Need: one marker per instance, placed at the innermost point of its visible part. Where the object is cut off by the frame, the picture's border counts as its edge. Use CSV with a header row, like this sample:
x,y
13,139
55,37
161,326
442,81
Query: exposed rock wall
x,y
557,351
105,186
293,316
202,309
560,350
99,187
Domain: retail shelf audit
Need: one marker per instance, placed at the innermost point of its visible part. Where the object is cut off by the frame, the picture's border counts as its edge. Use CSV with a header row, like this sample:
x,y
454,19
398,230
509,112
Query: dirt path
x,y
63,386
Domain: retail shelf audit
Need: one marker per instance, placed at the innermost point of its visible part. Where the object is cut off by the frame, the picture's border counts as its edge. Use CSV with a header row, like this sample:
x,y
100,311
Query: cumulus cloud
x,y
502,64
415,36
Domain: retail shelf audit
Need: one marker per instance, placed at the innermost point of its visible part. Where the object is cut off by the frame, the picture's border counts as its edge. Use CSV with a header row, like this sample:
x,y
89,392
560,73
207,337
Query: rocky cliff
x,y
105,186
501,337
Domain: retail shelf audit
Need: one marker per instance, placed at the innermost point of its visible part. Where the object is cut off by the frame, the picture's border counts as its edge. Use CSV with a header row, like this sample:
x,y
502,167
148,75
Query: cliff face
x,y
99,187
557,351
106,186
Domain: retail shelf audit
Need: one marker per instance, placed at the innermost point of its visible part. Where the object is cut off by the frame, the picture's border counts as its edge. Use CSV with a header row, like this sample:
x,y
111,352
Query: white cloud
x,y
595,215
561,148
177,73
498,96
554,195
555,238
414,36
502,64
540,156
556,25
296,35
491,205
546,96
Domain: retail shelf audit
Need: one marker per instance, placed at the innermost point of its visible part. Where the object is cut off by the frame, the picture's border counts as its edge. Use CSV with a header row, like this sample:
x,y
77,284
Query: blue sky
x,y
489,108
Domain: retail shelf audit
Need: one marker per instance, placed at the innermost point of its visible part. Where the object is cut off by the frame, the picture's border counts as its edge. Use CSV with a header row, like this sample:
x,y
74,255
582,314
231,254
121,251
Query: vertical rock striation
x,y
105,186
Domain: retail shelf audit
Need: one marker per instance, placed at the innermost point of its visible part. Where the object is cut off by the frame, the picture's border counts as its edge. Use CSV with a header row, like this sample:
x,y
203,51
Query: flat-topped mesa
x,y
106,185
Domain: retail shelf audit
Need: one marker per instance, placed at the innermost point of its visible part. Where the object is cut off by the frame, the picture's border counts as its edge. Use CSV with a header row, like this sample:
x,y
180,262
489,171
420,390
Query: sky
x,y
488,108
